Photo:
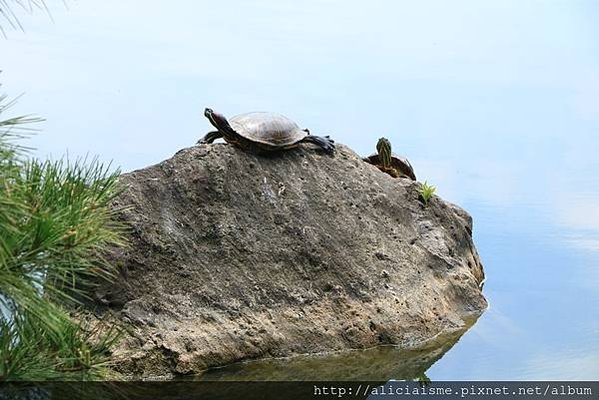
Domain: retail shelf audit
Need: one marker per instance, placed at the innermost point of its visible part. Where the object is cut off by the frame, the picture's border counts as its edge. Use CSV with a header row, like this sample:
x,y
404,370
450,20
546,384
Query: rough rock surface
x,y
237,256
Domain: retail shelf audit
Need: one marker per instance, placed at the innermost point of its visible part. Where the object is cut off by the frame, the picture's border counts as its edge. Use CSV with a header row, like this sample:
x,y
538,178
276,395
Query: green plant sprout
x,y
426,192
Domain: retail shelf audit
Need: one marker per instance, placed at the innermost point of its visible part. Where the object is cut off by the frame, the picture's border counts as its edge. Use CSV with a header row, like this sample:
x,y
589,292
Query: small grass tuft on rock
x,y
426,192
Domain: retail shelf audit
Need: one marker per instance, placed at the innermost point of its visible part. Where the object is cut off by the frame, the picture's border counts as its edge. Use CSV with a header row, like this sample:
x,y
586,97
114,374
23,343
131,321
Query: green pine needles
x,y
55,220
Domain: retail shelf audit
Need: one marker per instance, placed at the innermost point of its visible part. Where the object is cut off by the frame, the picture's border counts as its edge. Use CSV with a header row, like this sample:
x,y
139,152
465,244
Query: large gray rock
x,y
238,256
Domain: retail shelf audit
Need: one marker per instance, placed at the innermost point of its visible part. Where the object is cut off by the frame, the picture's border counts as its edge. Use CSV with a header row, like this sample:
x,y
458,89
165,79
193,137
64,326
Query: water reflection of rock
x,y
378,363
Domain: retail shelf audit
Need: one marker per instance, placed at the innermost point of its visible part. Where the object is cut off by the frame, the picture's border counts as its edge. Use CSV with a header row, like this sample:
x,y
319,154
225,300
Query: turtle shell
x,y
268,128
398,163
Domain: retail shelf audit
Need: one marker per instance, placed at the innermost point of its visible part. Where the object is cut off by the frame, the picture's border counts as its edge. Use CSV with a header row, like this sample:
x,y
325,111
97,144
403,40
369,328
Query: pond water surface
x,y
495,103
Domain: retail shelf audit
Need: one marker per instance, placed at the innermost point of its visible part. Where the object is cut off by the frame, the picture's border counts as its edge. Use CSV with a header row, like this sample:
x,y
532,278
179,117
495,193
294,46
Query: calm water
x,y
496,105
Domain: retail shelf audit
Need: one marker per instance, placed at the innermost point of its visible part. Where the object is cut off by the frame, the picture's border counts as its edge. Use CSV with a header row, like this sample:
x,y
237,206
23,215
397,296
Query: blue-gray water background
x,y
496,103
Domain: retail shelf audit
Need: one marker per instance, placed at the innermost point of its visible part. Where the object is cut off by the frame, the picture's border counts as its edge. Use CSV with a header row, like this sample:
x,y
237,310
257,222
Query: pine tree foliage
x,y
55,221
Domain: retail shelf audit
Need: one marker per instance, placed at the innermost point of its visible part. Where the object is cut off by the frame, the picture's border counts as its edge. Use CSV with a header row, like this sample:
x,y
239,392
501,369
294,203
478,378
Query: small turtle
x,y
392,164
262,131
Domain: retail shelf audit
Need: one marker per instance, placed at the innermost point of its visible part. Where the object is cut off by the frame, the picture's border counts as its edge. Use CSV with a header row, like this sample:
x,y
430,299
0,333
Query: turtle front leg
x,y
210,137
325,142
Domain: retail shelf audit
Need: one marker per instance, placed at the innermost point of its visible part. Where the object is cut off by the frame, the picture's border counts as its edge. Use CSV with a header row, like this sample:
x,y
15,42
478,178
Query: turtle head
x,y
383,147
218,121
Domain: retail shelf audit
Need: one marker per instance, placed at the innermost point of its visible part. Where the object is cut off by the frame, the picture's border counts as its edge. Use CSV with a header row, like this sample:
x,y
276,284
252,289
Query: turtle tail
x,y
325,142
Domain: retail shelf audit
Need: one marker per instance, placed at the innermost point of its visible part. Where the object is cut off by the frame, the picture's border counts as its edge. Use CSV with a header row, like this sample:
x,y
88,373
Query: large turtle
x,y
262,131
386,161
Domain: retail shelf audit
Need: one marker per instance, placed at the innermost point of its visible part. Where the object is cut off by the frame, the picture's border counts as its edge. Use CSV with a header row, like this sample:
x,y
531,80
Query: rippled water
x,y
495,103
